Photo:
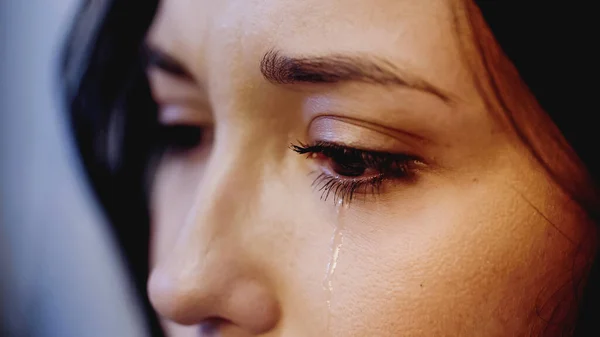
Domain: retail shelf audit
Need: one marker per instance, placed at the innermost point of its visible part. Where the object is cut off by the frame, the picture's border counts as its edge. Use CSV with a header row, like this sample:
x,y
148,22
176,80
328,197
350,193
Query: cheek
x,y
475,261
434,259
173,195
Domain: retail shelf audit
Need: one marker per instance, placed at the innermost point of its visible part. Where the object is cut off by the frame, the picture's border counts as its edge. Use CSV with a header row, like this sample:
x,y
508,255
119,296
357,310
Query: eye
x,y
347,172
348,166
181,138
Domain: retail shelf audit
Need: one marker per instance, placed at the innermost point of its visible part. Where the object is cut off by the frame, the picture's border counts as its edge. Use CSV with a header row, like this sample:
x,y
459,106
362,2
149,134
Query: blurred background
x,y
59,272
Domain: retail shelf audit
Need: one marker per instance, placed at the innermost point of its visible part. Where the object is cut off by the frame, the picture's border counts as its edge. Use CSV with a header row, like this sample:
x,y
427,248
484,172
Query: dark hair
x,y
113,119
529,65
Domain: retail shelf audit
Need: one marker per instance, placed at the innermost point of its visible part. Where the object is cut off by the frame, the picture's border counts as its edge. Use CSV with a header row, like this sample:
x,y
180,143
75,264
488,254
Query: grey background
x,y
59,273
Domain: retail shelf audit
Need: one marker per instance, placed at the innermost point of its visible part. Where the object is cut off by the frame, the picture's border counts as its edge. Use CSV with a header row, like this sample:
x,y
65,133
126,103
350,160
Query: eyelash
x,y
343,187
346,185
180,138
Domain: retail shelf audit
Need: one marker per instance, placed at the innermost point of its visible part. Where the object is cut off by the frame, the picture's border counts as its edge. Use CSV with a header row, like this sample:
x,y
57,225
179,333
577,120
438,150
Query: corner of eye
x,y
154,72
430,165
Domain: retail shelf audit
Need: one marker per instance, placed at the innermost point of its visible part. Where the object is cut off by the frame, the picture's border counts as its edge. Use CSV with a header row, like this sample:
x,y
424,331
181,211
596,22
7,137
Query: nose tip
x,y
243,302
175,300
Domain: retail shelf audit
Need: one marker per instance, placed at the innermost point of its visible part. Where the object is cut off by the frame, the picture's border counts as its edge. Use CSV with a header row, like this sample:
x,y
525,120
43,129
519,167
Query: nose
x,y
212,273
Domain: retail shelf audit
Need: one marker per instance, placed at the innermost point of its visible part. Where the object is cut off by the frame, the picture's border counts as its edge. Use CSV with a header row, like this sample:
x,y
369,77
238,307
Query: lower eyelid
x,y
347,190
329,183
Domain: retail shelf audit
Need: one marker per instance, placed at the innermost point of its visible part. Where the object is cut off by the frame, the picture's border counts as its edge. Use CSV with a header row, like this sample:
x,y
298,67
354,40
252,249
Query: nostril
x,y
210,327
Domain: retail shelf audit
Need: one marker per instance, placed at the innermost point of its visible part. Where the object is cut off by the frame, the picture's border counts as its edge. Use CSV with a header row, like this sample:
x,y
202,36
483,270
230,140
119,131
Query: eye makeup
x,y
347,172
359,134
355,160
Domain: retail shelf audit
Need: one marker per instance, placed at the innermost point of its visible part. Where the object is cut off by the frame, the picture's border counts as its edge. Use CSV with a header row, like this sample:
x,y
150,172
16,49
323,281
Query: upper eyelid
x,y
174,115
386,130
168,89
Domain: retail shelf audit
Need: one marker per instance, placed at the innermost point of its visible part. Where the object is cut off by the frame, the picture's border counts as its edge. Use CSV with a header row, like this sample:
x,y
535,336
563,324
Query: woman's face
x,y
405,208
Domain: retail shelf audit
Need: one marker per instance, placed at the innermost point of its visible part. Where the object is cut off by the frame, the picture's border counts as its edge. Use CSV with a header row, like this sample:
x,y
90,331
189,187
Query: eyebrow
x,y
155,58
280,69
337,68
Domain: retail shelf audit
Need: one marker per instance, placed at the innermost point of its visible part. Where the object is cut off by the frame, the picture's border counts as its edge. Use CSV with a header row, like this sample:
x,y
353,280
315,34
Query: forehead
x,y
415,34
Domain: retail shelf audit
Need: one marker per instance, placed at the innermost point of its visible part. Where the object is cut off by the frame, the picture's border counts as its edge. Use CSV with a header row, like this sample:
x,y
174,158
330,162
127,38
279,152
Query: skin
x,y
480,243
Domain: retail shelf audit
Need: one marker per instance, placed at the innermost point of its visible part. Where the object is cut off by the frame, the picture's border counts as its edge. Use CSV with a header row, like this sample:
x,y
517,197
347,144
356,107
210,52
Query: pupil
x,y
348,168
